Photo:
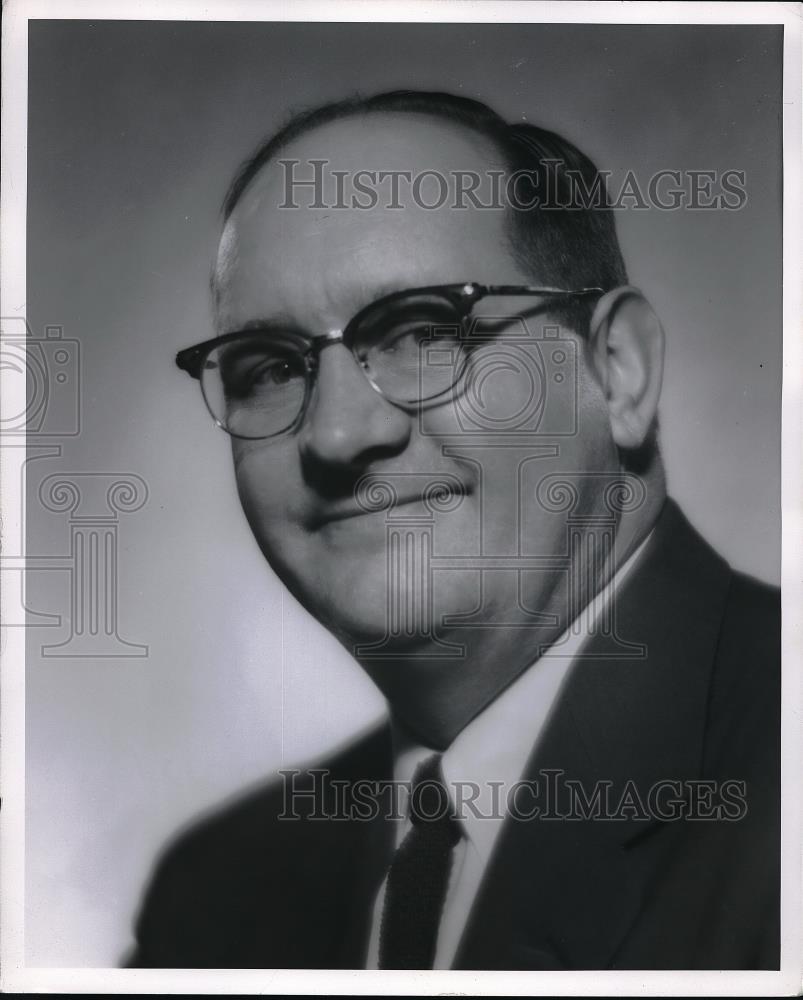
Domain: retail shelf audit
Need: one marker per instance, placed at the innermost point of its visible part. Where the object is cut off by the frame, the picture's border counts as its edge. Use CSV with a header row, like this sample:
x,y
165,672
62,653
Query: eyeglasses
x,y
257,382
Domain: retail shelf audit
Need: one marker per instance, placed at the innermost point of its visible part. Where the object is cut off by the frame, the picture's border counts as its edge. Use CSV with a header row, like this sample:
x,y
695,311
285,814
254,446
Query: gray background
x,y
135,130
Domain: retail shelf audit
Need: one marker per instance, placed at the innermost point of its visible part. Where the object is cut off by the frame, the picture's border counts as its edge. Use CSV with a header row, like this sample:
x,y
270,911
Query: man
x,y
443,420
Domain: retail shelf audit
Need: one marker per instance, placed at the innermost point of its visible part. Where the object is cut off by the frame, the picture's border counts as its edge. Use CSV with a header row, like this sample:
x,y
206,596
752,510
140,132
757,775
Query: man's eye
x,y
246,377
278,372
406,335
390,327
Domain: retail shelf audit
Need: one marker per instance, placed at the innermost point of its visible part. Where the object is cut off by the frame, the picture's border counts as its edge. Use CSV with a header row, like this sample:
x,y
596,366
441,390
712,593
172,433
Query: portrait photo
x,y
401,498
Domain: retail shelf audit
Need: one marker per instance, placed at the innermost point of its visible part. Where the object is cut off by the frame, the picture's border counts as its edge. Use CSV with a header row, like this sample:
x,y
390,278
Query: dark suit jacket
x,y
243,889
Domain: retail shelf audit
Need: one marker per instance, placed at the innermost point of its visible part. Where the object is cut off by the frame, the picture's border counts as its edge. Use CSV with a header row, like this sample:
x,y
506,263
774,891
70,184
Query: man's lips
x,y
350,510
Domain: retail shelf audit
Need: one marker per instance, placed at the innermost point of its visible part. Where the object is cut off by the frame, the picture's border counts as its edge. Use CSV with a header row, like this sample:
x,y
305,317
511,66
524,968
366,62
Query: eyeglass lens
x,y
409,347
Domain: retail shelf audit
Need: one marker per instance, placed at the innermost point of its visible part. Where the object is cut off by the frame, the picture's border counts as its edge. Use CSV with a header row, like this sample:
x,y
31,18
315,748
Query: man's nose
x,y
347,422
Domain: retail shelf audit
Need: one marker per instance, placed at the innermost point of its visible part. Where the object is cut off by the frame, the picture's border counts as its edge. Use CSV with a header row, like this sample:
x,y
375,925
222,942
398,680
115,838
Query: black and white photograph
x,y
401,494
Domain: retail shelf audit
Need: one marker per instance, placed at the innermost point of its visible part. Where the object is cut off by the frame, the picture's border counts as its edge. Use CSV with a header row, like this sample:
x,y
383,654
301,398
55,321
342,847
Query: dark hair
x,y
571,243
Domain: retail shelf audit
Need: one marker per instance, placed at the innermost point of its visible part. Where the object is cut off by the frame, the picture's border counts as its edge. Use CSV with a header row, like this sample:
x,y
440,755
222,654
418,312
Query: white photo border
x,y
15,975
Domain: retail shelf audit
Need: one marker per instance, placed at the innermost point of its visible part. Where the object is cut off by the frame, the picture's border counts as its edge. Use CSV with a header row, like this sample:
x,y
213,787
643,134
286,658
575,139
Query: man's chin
x,y
369,620
360,621
357,605
376,633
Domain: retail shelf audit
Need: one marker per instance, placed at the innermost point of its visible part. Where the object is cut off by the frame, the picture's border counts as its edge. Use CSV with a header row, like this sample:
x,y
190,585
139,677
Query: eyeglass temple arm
x,y
538,290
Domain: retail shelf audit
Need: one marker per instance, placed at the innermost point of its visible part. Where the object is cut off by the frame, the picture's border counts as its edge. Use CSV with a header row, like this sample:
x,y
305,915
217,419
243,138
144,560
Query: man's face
x,y
312,269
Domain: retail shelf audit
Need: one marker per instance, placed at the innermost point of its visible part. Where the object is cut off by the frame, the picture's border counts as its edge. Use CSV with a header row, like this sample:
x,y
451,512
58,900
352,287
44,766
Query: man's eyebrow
x,y
364,296
360,298
280,322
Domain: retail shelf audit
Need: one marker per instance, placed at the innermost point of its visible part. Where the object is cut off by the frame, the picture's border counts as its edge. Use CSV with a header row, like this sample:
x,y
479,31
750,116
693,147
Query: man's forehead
x,y
334,245
375,167
333,276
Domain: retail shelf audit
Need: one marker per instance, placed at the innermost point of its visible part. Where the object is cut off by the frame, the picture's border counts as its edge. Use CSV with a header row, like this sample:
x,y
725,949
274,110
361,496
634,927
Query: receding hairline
x,y
475,134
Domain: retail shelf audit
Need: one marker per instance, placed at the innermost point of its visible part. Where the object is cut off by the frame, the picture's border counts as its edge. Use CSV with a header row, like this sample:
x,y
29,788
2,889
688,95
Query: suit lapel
x,y
367,850
562,893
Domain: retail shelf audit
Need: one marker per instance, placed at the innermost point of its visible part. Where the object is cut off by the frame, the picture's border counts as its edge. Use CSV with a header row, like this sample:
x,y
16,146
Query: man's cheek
x,y
265,482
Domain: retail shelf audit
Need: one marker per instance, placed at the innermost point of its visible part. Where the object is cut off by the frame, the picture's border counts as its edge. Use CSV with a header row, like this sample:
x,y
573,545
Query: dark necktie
x,y
419,874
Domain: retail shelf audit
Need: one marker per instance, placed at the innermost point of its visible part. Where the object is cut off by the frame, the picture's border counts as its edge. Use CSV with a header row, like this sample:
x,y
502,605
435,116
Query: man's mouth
x,y
434,501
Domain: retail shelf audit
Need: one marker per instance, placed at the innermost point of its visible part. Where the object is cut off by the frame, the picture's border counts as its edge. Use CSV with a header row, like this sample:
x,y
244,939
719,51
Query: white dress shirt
x,y
491,752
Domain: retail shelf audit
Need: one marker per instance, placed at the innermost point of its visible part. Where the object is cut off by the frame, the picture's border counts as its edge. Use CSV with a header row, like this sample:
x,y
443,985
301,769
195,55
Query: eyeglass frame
x,y
464,295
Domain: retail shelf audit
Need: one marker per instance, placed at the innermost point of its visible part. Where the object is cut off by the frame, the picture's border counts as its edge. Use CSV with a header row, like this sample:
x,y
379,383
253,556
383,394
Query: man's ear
x,y
626,341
